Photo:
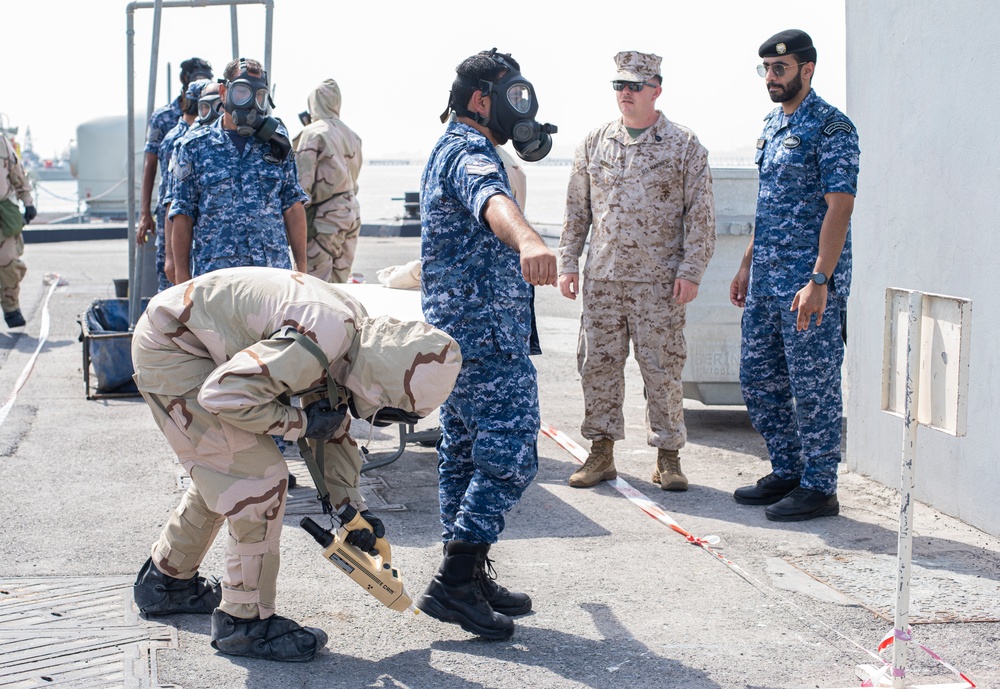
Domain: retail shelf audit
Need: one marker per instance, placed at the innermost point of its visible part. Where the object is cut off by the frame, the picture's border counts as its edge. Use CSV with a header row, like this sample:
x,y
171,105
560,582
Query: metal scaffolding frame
x,y
135,267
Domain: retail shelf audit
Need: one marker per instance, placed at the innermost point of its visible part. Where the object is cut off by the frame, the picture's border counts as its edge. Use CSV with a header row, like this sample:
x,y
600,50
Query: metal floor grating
x,y
946,586
80,632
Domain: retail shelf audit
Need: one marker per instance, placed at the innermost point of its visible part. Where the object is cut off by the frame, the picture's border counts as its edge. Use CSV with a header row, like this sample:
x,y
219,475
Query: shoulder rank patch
x,y
837,126
481,167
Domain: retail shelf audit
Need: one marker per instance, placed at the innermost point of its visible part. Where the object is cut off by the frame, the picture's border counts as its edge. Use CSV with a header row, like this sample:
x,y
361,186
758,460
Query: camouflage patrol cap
x,y
789,42
195,89
635,66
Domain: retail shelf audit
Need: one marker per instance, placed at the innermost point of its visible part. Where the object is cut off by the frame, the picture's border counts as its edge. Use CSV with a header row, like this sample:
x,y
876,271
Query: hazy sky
x,y
65,61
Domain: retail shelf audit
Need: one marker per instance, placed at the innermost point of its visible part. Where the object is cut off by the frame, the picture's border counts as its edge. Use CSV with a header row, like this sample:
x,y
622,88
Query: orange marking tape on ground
x,y
656,512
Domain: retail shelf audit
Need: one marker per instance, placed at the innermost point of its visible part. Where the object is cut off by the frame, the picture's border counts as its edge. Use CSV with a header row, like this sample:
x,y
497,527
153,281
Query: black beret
x,y
786,42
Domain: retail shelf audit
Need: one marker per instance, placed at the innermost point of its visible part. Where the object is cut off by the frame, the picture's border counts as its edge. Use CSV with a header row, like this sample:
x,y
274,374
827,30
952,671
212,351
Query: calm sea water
x,y
379,187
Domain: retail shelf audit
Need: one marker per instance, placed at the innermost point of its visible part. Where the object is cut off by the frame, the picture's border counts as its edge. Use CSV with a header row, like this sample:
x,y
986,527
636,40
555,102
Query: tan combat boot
x,y
668,471
600,465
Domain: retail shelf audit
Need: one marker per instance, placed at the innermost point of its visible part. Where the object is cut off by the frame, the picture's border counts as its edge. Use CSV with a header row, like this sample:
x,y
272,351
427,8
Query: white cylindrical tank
x,y
102,163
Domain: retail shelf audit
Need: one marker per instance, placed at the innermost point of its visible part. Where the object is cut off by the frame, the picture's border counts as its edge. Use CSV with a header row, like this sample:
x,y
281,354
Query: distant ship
x,y
38,168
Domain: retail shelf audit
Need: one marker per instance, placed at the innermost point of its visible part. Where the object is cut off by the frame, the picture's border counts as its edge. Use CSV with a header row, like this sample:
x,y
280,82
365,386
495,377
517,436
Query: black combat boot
x,y
802,504
273,638
455,594
766,491
502,600
156,593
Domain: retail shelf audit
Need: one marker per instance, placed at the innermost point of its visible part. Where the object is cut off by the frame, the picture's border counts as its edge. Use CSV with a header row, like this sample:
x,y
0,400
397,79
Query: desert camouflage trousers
x,y
645,314
329,257
239,478
488,450
12,270
791,384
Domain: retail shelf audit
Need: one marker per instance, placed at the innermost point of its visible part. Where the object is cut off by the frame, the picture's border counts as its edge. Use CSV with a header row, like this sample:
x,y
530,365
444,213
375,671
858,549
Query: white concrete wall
x,y
922,90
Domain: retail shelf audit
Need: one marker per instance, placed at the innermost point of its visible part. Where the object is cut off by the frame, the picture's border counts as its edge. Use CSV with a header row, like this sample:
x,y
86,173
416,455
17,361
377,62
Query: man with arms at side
x,y
328,155
642,189
793,284
164,154
160,123
236,199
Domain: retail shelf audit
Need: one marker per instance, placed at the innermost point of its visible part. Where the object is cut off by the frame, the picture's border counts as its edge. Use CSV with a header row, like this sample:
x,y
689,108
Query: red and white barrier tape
x,y
54,281
706,543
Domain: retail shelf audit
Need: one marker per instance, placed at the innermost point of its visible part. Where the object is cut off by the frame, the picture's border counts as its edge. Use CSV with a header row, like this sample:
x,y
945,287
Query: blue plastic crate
x,y
107,349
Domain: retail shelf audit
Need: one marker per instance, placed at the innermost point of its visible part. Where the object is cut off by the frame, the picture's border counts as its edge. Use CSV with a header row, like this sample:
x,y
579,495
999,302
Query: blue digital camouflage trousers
x,y
791,386
488,451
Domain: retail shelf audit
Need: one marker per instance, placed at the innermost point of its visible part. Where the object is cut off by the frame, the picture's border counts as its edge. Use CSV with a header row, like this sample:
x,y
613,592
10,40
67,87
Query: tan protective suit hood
x,y
407,365
324,102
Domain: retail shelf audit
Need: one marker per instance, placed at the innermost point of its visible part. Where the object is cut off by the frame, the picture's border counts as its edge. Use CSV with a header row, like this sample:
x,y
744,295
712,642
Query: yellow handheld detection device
x,y
375,574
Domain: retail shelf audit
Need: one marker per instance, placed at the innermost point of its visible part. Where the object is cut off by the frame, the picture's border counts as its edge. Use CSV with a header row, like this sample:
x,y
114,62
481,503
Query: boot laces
x,y
673,463
489,577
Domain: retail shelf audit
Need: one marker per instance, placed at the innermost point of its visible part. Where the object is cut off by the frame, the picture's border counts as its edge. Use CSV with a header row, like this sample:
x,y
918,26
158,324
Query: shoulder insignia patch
x,y
837,126
481,168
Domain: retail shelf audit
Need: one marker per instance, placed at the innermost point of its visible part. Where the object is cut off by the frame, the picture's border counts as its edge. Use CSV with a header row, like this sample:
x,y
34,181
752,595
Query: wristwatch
x,y
818,278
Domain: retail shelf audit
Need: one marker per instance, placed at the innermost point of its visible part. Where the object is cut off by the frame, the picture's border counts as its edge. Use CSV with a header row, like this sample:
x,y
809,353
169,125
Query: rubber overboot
x,y
600,465
668,472
273,638
14,319
500,598
455,594
156,593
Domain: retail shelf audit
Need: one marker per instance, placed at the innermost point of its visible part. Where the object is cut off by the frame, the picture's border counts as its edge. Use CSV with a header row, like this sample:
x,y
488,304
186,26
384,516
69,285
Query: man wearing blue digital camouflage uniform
x,y
793,284
160,123
236,199
480,259
163,155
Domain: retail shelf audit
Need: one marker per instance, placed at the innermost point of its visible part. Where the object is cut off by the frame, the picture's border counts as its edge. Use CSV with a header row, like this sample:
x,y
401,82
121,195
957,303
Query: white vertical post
x,y
906,485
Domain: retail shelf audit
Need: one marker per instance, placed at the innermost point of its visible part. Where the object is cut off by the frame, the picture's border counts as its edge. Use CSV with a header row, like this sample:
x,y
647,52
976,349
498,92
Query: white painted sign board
x,y
945,322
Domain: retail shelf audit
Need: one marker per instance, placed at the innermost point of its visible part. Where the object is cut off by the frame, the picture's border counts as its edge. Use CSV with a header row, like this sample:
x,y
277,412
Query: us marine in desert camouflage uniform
x,y
641,187
328,154
217,362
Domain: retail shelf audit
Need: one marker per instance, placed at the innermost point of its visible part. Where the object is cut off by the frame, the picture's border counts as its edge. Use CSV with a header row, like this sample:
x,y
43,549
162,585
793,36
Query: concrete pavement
x,y
620,599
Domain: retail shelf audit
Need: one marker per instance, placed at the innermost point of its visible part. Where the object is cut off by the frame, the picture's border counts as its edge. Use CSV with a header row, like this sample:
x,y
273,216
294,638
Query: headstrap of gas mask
x,y
486,87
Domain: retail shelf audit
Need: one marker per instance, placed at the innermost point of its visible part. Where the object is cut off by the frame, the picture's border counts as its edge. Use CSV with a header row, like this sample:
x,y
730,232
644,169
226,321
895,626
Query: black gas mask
x,y
209,109
513,107
248,102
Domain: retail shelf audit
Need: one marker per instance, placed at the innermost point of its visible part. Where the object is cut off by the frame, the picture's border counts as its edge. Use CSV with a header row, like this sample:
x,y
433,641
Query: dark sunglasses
x,y
633,86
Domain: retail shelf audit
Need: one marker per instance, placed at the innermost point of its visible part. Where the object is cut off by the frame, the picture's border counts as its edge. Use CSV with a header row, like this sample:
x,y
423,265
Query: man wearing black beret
x,y
793,284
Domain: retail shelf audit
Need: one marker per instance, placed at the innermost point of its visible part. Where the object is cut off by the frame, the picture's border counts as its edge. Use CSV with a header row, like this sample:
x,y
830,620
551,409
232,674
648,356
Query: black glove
x,y
322,420
365,539
29,213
